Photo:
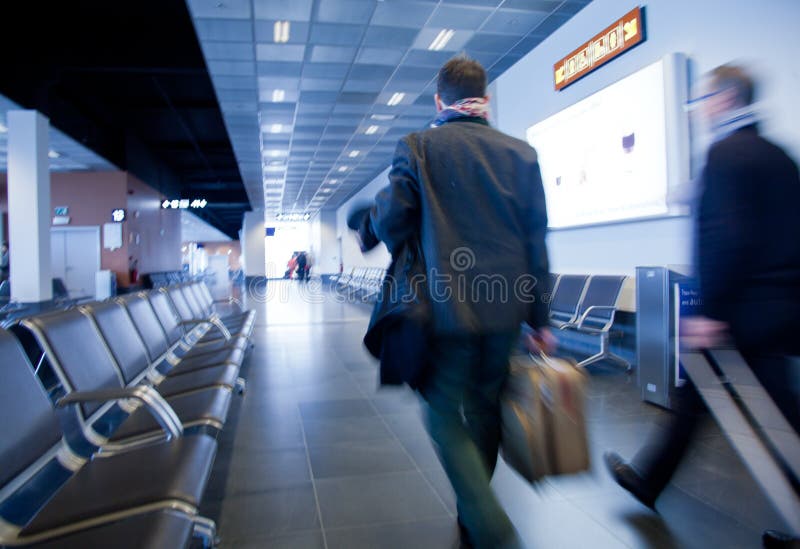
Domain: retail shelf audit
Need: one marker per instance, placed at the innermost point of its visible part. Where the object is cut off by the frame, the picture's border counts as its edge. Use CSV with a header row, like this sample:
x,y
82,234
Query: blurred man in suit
x,y
748,266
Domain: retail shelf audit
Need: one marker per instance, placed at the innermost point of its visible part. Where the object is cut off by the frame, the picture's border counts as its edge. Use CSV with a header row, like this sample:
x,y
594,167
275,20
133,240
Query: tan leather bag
x,y
543,425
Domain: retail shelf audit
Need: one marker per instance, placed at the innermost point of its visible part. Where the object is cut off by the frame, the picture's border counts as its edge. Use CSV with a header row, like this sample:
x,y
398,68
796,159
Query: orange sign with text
x,y
616,39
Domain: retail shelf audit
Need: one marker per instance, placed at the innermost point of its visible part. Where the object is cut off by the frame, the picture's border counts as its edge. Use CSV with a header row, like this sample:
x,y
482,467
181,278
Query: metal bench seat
x,y
51,495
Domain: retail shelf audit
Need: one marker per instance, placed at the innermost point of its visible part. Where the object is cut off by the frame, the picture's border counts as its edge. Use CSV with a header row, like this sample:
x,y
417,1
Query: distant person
x,y
5,267
291,266
302,263
748,266
473,198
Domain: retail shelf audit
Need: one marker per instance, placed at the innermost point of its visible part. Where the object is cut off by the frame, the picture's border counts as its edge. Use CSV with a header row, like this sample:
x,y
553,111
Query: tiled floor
x,y
316,456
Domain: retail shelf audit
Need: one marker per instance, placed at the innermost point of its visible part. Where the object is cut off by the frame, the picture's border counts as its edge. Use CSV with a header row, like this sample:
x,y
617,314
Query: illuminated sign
x,y
184,203
118,215
617,38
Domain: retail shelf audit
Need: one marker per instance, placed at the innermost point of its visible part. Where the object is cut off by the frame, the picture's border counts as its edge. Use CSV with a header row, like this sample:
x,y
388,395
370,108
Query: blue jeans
x,y
462,415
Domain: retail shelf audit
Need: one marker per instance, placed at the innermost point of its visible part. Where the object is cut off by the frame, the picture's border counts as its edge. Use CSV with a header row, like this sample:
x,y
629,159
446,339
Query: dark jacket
x,y
748,242
474,198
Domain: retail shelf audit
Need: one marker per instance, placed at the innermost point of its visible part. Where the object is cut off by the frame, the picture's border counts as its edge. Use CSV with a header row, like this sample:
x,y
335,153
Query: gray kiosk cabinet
x,y
663,294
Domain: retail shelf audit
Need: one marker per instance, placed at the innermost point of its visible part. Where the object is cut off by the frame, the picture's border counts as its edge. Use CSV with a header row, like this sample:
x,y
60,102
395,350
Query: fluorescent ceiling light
x,y
353,154
275,168
275,153
383,117
53,154
325,191
332,181
276,128
278,95
281,32
372,129
342,168
441,39
395,99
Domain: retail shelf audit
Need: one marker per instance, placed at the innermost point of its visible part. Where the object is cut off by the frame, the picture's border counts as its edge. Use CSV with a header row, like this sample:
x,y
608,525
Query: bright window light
x,y
441,39
353,154
372,129
395,99
278,95
281,32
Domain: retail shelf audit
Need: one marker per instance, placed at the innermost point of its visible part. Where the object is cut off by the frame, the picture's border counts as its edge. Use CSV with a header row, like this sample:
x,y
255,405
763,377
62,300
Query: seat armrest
x,y
594,308
214,321
154,402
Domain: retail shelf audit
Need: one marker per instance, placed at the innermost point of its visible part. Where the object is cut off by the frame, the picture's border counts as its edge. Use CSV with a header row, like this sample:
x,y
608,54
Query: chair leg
x,y
605,353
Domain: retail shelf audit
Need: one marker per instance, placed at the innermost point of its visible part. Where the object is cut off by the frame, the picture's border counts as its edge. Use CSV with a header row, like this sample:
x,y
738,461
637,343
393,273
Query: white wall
x,y
710,33
351,254
253,243
326,250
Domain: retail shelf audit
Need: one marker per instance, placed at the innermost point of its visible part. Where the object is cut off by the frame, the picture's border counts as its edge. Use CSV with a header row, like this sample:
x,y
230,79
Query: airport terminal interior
x,y
184,304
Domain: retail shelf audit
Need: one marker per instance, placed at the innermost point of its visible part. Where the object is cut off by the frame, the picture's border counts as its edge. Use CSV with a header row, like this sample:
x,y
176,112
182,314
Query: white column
x,y
29,207
253,246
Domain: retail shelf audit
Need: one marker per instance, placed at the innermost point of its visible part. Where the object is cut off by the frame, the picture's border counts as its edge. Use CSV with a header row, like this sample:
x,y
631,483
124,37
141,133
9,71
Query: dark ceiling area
x,y
127,80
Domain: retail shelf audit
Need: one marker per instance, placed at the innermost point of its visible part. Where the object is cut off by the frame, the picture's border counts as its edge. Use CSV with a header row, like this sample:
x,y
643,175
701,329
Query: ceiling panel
x,y
345,11
335,75
292,10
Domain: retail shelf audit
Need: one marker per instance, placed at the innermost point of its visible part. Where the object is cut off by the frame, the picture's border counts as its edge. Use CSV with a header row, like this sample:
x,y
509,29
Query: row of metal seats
x,y
361,282
111,414
587,304
164,278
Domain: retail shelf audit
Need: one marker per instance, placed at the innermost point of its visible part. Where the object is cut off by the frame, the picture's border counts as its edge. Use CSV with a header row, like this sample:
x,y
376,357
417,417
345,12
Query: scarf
x,y
469,107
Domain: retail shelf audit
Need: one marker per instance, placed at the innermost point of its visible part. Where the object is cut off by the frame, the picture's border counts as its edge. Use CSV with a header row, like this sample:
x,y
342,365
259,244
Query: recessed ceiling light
x,y
278,95
395,99
441,39
353,154
276,128
383,117
372,129
342,168
281,32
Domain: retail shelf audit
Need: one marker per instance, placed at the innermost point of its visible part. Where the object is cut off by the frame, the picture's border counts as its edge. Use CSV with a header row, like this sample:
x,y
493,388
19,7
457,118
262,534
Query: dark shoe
x,y
627,477
772,539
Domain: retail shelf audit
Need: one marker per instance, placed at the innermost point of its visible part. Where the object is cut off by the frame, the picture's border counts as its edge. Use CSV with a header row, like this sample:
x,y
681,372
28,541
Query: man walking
x,y
748,265
473,198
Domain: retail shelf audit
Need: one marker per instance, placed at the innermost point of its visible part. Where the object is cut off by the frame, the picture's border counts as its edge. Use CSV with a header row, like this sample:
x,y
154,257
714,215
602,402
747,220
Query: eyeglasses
x,y
694,103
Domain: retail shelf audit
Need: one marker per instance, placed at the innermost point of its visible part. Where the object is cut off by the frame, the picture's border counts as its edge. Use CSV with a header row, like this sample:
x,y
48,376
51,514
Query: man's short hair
x,y
734,78
459,78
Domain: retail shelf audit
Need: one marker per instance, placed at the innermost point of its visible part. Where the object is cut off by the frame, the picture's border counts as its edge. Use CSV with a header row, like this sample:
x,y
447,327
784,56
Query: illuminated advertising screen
x,y
606,158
